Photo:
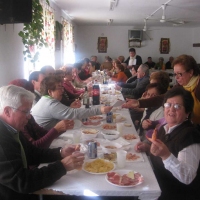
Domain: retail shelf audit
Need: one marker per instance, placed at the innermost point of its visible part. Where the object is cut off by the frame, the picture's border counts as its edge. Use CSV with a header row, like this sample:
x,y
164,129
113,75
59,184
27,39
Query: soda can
x,y
92,150
109,117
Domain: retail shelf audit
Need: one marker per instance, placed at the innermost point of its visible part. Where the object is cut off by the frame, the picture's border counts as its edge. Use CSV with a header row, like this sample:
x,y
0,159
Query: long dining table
x,y
82,183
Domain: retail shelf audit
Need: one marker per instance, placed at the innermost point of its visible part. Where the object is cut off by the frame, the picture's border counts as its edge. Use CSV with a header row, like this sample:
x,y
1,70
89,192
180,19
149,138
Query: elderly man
x,y
36,78
137,87
16,153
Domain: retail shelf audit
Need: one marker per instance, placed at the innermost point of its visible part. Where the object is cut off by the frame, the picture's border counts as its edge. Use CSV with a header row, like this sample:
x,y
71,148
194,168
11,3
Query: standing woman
x,y
186,72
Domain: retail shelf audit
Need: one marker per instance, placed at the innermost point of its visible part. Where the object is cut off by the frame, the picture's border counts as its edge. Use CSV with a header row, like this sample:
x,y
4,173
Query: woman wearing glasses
x,y
49,110
175,154
186,73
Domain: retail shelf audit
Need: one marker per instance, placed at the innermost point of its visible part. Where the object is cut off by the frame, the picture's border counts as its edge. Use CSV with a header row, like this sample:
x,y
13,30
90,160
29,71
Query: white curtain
x,y
68,47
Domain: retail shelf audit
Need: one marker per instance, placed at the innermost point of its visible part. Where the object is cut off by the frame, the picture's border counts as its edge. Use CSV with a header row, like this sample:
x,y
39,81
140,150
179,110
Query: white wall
x,y
181,40
11,56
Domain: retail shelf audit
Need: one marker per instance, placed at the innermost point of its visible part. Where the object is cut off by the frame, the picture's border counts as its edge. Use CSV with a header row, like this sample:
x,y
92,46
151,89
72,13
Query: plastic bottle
x,y
86,98
96,94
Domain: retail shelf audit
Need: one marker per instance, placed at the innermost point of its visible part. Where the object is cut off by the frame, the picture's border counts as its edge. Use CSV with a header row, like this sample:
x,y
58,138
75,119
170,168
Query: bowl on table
x,y
110,134
110,147
89,133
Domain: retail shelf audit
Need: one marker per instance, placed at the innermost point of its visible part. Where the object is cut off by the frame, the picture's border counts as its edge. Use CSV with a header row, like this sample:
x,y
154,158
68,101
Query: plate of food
x,y
130,157
130,137
98,166
110,147
89,133
97,118
134,157
109,126
92,124
124,178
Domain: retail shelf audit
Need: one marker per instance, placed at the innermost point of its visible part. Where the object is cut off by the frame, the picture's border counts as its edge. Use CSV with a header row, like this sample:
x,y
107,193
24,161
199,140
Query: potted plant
x,y
32,33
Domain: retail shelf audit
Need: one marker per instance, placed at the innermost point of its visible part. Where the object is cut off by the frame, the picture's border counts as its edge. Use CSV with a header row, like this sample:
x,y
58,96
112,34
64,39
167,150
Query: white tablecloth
x,y
85,184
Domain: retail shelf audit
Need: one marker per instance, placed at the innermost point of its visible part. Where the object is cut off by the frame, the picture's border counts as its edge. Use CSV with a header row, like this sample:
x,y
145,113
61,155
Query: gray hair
x,y
145,69
12,96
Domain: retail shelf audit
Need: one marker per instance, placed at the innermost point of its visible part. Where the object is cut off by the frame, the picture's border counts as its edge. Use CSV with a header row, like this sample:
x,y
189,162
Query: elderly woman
x,y
175,154
35,134
72,92
186,72
120,76
49,110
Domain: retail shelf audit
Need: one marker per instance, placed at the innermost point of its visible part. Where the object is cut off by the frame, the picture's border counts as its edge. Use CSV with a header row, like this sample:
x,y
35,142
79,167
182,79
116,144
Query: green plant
x,y
32,33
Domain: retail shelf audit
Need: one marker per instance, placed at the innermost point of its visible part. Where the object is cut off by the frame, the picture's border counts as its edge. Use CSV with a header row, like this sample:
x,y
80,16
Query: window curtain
x,y
46,54
68,47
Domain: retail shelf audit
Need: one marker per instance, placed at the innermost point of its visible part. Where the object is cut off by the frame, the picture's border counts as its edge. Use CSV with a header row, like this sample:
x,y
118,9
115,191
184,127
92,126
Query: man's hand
x,y
117,87
131,103
69,150
74,161
64,125
106,109
76,104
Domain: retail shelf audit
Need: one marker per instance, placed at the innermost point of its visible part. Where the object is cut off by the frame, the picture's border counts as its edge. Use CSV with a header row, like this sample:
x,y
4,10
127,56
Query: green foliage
x,y
32,32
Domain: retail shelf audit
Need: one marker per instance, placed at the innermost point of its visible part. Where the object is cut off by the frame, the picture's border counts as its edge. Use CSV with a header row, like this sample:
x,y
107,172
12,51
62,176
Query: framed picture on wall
x,y
102,44
164,45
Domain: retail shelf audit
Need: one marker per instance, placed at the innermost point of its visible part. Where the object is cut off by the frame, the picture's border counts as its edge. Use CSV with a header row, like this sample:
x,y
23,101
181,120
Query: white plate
x,y
107,150
91,160
109,124
101,116
140,159
77,124
122,172
93,126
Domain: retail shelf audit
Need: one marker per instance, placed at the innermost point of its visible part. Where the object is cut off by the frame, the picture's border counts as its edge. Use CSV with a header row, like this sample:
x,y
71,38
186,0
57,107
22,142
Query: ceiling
x,y
185,13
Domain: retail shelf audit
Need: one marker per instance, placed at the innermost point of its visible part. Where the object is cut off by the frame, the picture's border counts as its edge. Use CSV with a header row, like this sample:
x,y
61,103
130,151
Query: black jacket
x,y
15,180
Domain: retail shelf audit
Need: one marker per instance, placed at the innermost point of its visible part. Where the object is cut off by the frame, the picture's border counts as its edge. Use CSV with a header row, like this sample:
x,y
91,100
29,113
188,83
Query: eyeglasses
x,y
176,106
27,113
179,74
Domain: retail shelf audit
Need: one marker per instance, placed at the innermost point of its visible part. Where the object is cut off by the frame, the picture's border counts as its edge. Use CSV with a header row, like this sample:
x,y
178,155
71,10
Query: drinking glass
x,y
121,158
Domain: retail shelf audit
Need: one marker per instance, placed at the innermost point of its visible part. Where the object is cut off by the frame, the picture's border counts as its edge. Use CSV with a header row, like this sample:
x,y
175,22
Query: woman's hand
x,y
131,103
117,87
146,123
76,104
64,125
158,148
106,109
142,147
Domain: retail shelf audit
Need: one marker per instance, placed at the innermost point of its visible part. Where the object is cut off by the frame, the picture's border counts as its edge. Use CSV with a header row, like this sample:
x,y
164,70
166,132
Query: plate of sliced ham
x,y
124,178
92,124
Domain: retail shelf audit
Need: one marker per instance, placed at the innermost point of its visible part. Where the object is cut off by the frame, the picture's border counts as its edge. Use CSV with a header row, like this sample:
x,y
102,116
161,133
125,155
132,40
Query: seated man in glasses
x,y
16,153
